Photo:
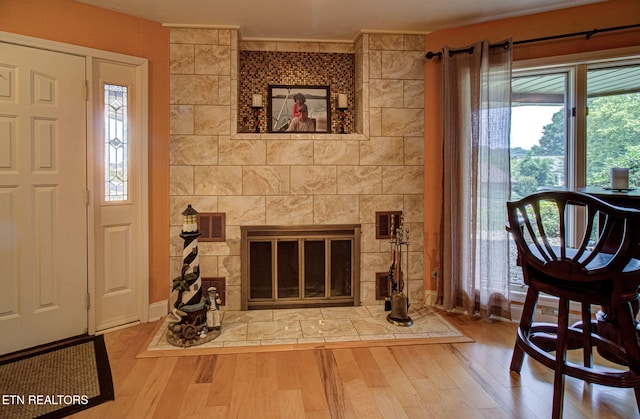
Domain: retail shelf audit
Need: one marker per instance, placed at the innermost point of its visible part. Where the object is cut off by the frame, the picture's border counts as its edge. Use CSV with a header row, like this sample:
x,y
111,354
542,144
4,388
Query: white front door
x,y
43,197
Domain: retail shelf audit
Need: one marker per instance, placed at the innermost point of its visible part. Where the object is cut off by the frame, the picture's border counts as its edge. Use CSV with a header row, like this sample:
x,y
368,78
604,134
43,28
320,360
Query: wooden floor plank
x,y
332,382
150,395
369,368
435,372
243,401
183,374
192,406
349,368
432,401
130,380
388,403
360,400
309,377
264,398
206,366
398,384
287,376
290,404
223,380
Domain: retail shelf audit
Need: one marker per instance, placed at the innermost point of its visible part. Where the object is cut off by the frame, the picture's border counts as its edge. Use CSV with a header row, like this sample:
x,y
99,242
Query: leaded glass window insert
x,y
116,143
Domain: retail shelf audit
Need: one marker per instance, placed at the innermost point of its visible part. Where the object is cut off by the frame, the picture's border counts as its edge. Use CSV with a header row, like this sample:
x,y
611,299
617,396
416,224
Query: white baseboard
x,y
430,297
549,313
158,310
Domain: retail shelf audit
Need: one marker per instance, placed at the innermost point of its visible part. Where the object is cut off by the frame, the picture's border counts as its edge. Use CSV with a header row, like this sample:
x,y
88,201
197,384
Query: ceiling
x,y
337,20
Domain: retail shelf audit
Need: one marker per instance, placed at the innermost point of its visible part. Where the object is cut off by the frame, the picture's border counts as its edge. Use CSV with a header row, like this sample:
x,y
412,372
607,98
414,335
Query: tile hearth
x,y
317,325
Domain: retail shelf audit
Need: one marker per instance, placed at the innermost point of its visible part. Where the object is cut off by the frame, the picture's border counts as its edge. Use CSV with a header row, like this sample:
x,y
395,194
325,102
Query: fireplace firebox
x,y
300,266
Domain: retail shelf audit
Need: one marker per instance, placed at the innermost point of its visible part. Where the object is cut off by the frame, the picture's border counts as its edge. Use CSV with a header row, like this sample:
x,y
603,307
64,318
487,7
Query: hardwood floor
x,y
459,380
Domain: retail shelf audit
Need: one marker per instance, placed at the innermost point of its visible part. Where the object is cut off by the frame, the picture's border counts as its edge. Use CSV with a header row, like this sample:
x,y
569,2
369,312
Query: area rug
x,y
302,329
55,380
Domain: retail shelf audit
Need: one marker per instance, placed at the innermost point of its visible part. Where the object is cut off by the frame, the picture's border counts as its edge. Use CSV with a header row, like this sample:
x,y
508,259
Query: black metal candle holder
x,y
342,110
256,113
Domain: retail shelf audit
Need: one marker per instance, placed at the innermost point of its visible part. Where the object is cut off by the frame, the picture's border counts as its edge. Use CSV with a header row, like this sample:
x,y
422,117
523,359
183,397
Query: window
x,y
571,123
538,131
116,143
613,122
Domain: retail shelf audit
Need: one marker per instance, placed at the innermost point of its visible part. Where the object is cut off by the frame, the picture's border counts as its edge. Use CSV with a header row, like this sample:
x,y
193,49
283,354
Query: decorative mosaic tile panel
x,y
259,69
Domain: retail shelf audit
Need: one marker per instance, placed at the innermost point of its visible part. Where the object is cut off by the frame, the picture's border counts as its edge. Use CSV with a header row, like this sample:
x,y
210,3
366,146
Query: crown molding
x,y
200,26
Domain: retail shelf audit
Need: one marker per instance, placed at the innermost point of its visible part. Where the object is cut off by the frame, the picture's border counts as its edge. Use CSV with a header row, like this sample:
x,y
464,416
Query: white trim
x,y
547,310
430,297
297,40
157,310
115,328
91,221
55,46
393,32
142,216
200,26
143,189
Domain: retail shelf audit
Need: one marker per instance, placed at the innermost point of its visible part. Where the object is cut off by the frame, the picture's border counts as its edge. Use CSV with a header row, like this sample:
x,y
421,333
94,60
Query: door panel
x,y
43,212
115,200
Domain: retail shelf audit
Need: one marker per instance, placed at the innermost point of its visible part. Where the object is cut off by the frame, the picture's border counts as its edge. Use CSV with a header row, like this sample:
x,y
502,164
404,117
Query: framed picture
x,y
285,103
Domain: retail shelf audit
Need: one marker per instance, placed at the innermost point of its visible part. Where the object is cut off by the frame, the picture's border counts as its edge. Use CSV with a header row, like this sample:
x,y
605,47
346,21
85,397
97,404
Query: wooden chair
x,y
602,268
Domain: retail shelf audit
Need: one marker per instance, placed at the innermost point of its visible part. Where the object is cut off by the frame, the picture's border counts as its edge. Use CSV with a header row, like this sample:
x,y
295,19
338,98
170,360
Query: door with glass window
x,y
115,200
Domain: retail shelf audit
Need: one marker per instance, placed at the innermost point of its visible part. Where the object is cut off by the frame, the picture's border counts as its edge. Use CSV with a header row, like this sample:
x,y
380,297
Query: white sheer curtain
x,y
476,104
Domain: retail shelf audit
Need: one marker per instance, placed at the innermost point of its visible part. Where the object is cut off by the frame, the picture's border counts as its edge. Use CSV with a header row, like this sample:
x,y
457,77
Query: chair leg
x,y
526,320
629,334
587,353
561,354
517,359
625,313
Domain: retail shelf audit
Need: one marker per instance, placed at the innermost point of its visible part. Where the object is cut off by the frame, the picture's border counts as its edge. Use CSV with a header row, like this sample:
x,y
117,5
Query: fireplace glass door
x,y
299,270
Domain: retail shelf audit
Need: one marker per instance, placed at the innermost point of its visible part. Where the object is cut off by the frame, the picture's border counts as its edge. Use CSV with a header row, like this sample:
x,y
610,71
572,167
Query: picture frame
x,y
280,108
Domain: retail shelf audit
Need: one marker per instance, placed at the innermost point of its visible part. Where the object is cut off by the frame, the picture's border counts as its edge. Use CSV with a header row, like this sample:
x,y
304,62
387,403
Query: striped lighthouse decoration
x,y
188,318
190,234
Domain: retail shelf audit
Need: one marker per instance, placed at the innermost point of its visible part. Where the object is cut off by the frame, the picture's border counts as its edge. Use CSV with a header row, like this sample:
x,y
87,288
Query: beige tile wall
x,y
289,179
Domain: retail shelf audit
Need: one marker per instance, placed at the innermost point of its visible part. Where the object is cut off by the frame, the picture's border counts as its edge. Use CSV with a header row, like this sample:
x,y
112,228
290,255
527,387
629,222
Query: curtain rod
x,y
587,34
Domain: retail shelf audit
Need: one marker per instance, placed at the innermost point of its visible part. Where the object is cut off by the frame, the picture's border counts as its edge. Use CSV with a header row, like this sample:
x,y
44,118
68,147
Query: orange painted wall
x,y
578,19
76,23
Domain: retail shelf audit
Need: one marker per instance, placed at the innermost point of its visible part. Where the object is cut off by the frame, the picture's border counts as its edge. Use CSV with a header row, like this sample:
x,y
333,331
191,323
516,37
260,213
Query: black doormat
x,y
55,380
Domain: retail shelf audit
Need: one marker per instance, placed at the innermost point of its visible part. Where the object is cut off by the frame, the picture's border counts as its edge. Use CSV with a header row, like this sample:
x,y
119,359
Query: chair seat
x,y
600,260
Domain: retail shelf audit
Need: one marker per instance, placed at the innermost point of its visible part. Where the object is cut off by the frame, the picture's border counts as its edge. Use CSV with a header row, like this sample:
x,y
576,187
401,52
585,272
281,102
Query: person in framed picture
x,y
299,100
302,123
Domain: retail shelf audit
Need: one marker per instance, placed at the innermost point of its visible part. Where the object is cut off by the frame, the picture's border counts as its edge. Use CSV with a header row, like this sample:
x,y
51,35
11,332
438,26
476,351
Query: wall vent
x,y
383,223
382,285
211,226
